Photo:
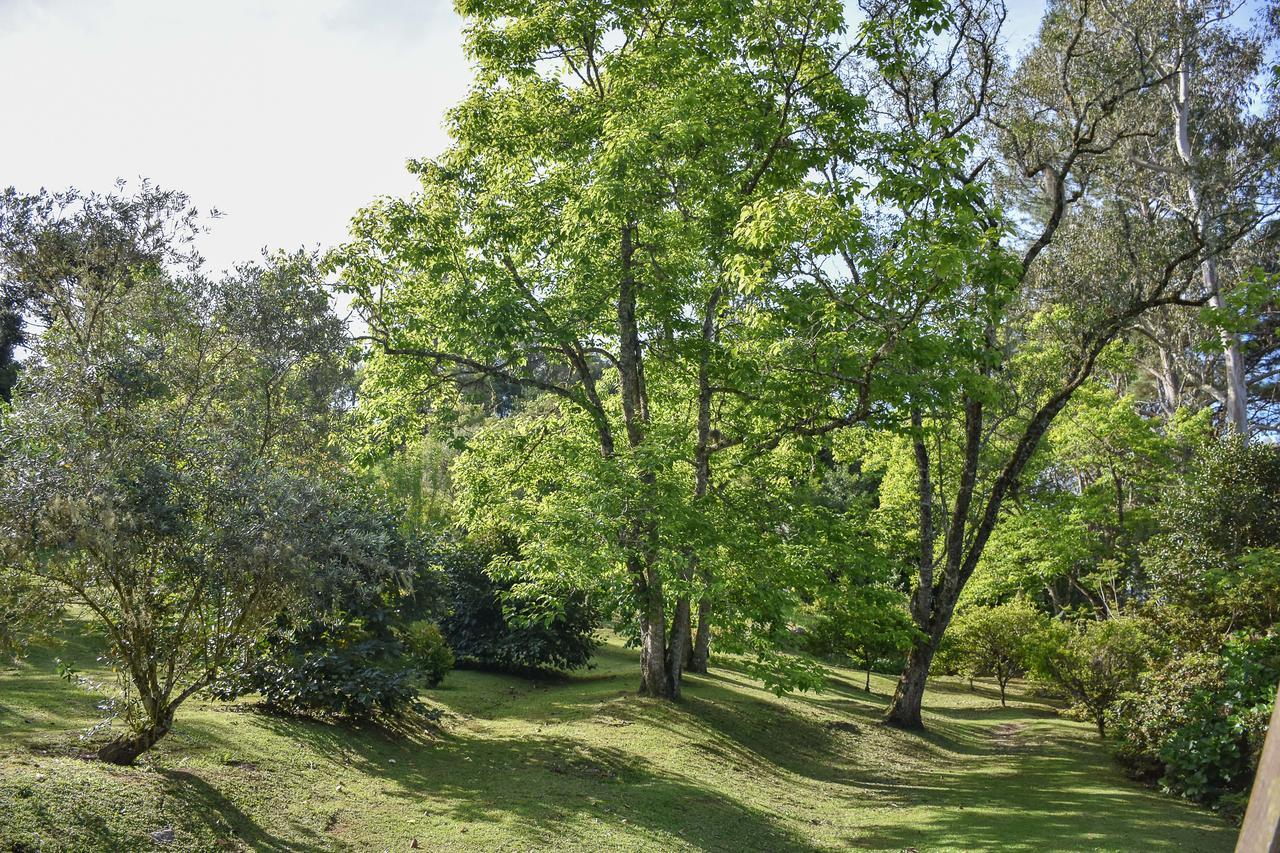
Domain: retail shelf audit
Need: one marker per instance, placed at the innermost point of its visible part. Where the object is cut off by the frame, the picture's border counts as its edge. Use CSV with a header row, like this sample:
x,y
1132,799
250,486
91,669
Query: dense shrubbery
x,y
1197,723
345,666
494,624
351,652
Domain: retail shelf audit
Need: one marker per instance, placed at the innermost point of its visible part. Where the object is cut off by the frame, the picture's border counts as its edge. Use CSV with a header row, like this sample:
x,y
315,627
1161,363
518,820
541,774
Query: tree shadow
x,y
542,783
220,817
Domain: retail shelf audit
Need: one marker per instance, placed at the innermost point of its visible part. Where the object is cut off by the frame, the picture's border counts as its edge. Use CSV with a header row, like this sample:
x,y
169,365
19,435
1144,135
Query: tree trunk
x,y
653,632
904,711
681,630
124,750
702,641
867,686
1237,412
700,645
1002,702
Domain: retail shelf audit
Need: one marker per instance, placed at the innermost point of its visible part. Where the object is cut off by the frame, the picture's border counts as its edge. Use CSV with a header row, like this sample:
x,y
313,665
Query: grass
x,y
582,763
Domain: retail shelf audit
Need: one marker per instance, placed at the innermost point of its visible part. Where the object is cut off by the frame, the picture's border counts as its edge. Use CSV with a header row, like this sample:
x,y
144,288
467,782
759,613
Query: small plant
x,y
427,651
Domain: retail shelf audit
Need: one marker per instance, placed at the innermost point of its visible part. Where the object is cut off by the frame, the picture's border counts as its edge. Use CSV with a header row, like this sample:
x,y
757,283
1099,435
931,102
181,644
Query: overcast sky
x,y
287,115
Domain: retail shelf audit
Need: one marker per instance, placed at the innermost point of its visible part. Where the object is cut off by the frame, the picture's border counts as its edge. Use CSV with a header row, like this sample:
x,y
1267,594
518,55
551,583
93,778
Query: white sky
x,y
286,115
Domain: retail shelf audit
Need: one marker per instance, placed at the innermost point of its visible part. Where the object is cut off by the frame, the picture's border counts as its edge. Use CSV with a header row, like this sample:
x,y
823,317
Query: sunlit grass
x,y
582,763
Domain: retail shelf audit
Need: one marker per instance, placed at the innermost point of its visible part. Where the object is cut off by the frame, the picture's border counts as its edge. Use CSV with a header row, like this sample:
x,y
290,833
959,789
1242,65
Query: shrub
x,y
348,651
1094,664
1216,567
874,637
1198,723
340,666
996,641
498,624
427,651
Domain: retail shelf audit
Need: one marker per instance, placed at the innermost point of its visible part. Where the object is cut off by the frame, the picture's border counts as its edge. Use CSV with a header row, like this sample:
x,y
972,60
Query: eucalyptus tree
x,y
1215,122
603,231
153,456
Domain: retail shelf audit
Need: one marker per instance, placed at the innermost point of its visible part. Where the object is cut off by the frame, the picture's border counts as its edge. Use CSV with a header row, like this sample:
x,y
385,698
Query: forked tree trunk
x,y
904,710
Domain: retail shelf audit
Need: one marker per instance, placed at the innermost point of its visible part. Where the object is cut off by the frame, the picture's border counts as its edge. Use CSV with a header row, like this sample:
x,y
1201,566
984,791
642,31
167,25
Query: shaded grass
x,y
582,763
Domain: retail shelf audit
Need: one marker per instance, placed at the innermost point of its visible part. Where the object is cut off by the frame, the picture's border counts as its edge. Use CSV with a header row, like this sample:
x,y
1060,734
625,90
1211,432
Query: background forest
x,y
773,333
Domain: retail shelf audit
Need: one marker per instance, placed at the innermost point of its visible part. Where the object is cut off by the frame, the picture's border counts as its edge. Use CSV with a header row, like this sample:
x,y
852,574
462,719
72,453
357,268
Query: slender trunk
x,y
1237,412
681,630
1003,704
700,644
125,749
867,685
640,536
904,710
702,640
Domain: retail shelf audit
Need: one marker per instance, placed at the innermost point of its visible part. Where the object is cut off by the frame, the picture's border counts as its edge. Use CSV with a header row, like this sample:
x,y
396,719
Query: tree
x,y
1094,664
1099,250
153,452
997,641
613,228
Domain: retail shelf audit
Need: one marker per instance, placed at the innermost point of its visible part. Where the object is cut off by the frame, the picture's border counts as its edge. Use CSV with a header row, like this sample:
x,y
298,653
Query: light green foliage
x,y
1092,664
636,221
999,641
427,651
1073,539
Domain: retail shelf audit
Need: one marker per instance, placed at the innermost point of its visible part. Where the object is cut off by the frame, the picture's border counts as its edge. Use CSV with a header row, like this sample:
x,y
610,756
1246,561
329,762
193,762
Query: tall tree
x,y
1095,256
608,230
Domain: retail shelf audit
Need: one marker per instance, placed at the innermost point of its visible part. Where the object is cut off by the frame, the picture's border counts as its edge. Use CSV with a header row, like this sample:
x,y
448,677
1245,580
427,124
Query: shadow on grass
x,y
219,816
542,784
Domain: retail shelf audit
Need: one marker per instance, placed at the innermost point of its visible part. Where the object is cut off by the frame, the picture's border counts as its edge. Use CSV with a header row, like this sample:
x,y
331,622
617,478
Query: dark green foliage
x,y
1198,723
345,666
496,624
347,650
1216,567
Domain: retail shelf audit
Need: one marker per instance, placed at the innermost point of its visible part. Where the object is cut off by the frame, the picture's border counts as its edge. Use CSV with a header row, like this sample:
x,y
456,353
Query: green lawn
x,y
584,764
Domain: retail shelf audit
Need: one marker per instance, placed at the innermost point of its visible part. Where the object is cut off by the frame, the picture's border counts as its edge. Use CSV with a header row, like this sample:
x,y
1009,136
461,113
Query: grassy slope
x,y
584,764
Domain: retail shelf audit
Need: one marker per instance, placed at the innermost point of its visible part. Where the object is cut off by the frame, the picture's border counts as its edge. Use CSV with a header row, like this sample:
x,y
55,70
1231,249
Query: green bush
x,y
427,651
1093,664
346,649
344,667
1198,723
493,624
995,641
